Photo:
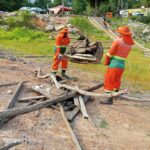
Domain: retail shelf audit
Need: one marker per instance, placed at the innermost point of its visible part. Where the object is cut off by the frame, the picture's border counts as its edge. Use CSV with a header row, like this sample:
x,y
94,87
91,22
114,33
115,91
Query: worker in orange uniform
x,y
62,40
115,59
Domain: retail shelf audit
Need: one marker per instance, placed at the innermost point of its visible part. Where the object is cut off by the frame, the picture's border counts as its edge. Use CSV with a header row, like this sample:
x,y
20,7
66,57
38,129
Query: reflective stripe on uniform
x,y
118,57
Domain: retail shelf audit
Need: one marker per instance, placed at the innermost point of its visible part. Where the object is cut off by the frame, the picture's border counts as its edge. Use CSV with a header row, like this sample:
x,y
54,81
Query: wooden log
x,y
12,101
26,99
74,138
15,95
72,114
82,107
8,146
8,114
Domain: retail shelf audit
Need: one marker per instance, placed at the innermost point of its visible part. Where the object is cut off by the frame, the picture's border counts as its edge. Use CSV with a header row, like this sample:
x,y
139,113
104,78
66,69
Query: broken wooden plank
x,y
85,55
15,95
76,101
72,114
26,99
10,145
74,138
83,109
80,58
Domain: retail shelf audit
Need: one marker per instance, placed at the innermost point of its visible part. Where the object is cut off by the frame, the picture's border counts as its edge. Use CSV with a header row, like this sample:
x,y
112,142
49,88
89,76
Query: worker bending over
x,y
62,40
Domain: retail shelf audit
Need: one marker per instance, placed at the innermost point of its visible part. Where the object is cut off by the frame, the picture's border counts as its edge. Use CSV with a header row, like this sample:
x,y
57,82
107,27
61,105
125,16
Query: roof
x,y
59,9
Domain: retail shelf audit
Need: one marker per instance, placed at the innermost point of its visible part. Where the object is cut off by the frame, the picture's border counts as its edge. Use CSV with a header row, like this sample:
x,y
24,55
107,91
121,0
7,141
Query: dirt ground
x,y
122,126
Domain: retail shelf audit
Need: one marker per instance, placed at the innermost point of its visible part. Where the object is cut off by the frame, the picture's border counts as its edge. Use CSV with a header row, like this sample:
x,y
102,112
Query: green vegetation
x,y
137,66
23,19
26,41
87,28
103,124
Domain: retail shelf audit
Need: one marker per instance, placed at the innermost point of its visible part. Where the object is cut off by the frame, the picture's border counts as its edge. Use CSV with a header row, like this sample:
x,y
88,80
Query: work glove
x,y
107,60
60,56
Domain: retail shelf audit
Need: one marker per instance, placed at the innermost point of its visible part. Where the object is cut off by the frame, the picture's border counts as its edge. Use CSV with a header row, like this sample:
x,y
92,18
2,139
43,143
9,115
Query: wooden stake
x,y
74,138
83,109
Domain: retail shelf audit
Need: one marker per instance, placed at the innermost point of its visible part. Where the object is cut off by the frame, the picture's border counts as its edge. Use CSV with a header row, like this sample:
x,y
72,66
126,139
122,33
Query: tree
x,y
11,5
79,6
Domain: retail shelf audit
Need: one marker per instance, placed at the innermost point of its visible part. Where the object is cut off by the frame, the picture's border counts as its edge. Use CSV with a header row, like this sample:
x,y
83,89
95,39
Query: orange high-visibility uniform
x,y
60,48
115,59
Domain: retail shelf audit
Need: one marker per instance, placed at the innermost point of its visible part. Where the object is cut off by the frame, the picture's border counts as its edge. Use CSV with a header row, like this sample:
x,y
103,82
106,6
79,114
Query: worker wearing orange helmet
x,y
62,40
115,59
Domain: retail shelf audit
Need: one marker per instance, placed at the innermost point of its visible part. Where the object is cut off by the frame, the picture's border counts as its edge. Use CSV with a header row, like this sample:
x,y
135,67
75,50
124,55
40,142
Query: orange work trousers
x,y
57,61
112,79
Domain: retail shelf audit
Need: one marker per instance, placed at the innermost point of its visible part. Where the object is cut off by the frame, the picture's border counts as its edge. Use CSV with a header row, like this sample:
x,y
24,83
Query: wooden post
x,y
74,138
82,107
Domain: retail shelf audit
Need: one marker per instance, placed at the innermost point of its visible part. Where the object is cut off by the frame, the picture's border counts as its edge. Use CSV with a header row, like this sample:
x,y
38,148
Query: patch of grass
x,y
103,124
26,41
87,28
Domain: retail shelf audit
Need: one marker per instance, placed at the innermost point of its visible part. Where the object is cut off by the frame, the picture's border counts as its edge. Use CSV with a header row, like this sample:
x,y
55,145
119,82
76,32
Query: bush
x,y
24,19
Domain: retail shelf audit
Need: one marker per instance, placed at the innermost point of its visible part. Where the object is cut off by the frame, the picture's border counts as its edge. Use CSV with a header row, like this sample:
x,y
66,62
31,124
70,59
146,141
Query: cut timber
x,y
7,147
15,95
74,138
80,58
76,101
25,99
83,92
83,109
72,114
85,55
8,114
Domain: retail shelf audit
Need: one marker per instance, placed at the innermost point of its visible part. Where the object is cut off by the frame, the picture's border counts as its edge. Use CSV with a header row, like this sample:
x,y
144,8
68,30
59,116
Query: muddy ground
x,y
122,126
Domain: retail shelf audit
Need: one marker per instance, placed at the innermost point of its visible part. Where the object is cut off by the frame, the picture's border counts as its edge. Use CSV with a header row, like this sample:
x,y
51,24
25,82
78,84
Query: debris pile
x,y
82,50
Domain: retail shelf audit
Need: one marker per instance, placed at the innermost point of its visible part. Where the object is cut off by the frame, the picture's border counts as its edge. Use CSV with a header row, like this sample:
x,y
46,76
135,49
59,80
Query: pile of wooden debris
x,y
82,50
70,100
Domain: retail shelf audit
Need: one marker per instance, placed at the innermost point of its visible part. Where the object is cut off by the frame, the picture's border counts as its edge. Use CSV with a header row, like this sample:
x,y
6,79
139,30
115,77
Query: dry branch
x,y
83,92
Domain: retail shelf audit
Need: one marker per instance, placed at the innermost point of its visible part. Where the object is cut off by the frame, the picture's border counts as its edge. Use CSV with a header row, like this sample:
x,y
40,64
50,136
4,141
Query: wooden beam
x,y
82,107
8,146
15,95
76,101
74,138
72,114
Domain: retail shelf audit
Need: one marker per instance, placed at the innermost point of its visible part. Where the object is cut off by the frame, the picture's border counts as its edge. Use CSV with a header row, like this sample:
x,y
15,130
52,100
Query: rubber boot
x,y
63,74
109,101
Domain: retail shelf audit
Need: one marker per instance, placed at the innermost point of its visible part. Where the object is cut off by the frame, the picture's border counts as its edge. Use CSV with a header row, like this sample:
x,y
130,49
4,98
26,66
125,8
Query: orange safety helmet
x,y
124,30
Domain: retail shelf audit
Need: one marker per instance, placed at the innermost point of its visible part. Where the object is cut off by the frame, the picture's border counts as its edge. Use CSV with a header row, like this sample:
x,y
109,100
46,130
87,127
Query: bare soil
x,y
122,126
